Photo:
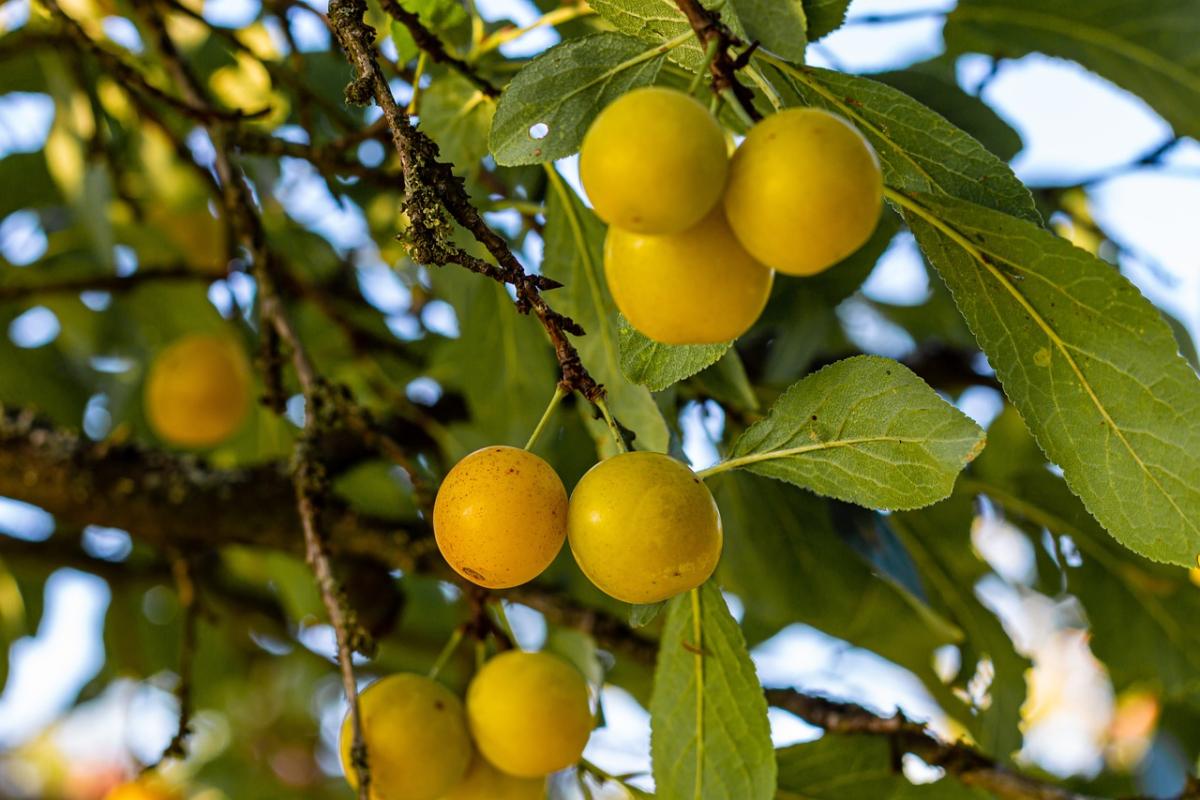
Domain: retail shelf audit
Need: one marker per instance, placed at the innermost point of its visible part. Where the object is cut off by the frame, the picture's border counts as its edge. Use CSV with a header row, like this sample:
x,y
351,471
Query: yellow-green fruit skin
x,y
485,782
695,287
805,191
529,713
418,745
500,516
198,391
654,161
643,527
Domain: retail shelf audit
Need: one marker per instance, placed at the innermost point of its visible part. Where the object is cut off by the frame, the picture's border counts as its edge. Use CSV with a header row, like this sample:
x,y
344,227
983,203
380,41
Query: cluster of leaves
x,y
1095,458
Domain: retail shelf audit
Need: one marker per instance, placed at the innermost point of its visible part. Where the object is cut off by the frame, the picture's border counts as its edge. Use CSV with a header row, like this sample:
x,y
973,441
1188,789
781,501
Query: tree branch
x,y
103,283
428,41
308,475
185,587
433,190
965,763
170,500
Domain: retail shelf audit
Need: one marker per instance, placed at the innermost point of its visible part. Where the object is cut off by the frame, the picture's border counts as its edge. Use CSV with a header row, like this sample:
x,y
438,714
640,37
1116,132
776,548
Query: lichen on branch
x,y
436,198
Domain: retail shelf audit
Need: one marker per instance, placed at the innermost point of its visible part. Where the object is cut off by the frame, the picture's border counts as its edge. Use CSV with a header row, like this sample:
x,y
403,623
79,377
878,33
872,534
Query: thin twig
x,y
716,40
964,762
308,476
132,78
186,589
903,16
558,16
309,485
432,45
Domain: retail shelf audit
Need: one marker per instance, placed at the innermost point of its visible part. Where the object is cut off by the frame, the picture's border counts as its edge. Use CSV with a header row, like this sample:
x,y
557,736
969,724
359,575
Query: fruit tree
x,y
401,401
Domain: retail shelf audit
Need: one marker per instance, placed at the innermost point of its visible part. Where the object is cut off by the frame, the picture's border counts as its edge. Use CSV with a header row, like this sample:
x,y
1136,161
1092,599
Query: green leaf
x,y
22,74
96,193
727,382
563,90
850,767
709,735
45,378
935,84
1148,48
824,17
659,21
580,649
141,630
780,25
574,256
499,360
288,577
28,171
458,117
656,365
641,615
938,539
1089,363
865,430
800,321
918,148
436,15
1141,614
786,562
377,488
800,325
1187,346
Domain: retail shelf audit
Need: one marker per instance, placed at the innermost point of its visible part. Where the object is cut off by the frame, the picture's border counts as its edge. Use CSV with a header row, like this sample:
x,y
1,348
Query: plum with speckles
x,y
500,517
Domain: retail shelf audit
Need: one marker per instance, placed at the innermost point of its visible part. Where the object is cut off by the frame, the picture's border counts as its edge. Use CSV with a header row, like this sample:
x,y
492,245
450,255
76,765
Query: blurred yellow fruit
x,y
485,782
654,161
695,287
805,191
529,713
198,391
643,527
418,747
142,789
500,516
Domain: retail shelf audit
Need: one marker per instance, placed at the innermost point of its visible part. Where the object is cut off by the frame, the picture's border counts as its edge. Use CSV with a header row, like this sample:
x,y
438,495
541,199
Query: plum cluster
x,y
695,236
